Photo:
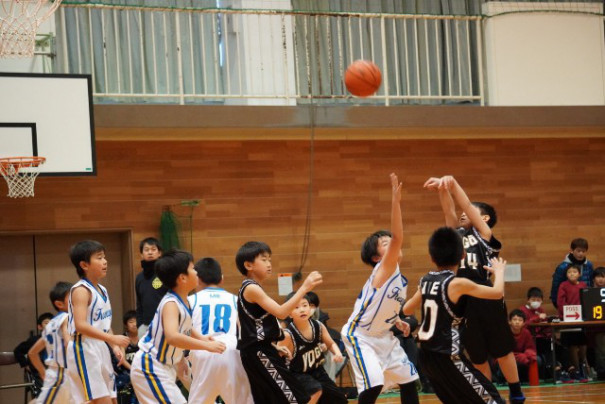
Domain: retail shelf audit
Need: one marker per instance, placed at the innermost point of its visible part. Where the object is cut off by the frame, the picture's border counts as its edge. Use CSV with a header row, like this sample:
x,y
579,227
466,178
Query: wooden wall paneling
x,y
546,190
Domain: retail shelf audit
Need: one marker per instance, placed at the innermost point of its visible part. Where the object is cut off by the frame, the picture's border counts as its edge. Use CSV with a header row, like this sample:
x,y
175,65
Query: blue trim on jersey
x,y
162,347
154,383
185,305
353,340
92,309
81,365
52,392
101,293
384,293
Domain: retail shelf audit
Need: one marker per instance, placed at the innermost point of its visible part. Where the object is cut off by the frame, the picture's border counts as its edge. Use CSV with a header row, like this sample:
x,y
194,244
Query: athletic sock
x,y
515,389
408,393
369,396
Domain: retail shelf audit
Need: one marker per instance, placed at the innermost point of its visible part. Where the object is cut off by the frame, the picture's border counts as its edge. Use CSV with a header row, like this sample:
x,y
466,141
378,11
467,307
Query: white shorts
x,y
378,360
55,389
89,369
153,382
219,375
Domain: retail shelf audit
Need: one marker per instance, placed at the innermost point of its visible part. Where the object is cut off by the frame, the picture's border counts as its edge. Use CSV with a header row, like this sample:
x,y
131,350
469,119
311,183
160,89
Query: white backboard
x,y
51,116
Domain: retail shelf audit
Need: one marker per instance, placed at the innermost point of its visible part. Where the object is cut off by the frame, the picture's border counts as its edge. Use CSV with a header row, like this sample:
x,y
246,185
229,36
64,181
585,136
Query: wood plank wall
x,y
547,191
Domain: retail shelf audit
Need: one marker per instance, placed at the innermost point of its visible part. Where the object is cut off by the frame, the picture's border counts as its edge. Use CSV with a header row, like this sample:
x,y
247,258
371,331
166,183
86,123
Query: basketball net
x,y
19,22
20,174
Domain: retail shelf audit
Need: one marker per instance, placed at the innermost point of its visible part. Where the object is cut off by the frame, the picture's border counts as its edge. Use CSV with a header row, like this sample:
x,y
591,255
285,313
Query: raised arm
x,y
390,259
255,294
463,286
447,203
448,182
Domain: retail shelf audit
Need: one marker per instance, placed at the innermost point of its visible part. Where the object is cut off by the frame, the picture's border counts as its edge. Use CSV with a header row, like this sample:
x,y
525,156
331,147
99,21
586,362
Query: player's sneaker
x,y
517,400
578,376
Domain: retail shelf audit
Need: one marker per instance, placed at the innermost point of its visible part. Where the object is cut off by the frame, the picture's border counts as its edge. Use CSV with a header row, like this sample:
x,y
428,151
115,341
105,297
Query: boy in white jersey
x,y
54,339
89,365
153,373
215,314
377,358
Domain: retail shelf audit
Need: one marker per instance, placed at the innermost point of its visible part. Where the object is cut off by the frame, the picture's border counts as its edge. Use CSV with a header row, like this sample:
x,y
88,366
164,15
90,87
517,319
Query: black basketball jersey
x,y
255,324
307,355
438,331
478,253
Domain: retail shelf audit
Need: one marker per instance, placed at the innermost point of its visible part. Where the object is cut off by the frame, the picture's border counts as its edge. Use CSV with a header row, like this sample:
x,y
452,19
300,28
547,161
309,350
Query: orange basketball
x,y
363,78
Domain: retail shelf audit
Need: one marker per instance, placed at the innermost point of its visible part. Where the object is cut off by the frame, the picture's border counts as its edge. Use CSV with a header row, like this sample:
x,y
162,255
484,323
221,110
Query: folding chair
x,y
8,358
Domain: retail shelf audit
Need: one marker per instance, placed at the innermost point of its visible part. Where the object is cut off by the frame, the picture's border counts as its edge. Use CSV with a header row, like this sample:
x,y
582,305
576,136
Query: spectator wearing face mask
x,y
534,313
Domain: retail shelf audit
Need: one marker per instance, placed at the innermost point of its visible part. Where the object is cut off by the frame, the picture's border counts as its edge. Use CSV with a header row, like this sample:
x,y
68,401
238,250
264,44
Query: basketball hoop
x,y
20,174
19,22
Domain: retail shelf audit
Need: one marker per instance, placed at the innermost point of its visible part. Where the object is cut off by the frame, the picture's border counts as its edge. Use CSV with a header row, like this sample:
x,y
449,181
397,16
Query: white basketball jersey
x,y
376,310
215,314
154,341
98,313
55,344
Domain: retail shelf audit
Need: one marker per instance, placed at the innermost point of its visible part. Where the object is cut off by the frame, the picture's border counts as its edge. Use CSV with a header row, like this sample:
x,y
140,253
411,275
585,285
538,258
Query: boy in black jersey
x,y
270,379
453,377
302,338
486,332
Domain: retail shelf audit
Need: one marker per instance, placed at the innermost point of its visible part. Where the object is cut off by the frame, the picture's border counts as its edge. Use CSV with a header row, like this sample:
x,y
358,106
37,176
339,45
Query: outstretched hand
x,y
312,280
403,327
396,185
432,183
496,265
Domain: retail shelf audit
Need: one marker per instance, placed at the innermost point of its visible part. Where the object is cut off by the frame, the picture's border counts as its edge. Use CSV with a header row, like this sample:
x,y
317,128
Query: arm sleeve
x,y
139,304
561,300
557,277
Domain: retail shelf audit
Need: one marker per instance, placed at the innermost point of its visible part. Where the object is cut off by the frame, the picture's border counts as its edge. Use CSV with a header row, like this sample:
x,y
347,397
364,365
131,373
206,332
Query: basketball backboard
x,y
49,115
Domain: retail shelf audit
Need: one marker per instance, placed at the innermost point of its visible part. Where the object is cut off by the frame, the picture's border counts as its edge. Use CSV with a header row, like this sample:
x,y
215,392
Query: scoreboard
x,y
593,304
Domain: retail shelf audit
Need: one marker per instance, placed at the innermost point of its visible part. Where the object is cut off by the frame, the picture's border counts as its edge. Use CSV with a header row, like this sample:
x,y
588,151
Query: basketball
x,y
363,78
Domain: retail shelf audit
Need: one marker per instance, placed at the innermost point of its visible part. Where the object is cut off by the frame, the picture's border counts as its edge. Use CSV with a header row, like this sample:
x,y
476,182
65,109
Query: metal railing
x,y
185,56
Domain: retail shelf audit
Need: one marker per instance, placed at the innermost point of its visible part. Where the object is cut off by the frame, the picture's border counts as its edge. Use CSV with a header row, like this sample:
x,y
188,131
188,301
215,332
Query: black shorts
x,y
573,338
456,380
271,382
318,379
486,332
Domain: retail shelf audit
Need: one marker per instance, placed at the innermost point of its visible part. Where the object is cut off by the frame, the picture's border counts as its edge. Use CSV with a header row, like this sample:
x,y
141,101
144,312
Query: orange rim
x,y
20,162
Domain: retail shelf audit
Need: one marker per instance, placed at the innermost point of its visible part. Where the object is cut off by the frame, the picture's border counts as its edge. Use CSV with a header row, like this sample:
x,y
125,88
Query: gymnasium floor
x,y
587,393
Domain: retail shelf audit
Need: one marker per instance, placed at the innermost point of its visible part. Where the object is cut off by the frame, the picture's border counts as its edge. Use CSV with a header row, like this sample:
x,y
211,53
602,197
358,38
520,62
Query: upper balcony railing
x,y
284,57
145,54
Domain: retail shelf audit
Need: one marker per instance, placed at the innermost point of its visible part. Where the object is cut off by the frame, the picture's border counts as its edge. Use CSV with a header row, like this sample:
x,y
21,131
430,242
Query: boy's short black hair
x,y
535,291
598,271
313,298
445,247
172,264
58,292
151,241
517,313
487,209
209,271
369,248
579,243
248,253
82,251
130,314
44,316
576,266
